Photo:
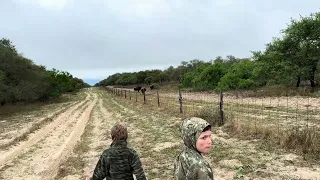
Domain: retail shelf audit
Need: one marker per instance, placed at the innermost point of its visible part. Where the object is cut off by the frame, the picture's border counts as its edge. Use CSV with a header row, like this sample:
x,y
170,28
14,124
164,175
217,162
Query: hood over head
x,y
191,128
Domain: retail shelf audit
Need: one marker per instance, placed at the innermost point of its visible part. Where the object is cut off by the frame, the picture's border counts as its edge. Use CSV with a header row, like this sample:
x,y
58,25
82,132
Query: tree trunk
x,y
312,76
313,84
298,82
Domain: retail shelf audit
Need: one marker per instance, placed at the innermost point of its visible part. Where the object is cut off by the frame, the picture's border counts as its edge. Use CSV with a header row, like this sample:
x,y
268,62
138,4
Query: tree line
x,y
288,60
22,80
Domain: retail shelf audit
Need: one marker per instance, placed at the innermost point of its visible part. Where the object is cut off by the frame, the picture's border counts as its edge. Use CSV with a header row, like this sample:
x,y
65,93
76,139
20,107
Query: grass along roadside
x,y
230,157
269,125
152,136
25,108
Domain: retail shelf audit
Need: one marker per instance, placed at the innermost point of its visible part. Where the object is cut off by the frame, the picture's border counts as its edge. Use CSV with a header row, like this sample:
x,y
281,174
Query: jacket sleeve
x,y
101,169
137,167
203,175
198,172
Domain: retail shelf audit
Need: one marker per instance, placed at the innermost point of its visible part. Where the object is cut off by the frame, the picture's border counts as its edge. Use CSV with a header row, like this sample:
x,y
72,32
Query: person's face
x,y
204,142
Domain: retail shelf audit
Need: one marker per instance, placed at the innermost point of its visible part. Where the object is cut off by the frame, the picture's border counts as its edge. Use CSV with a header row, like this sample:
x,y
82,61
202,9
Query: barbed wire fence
x,y
281,111
267,117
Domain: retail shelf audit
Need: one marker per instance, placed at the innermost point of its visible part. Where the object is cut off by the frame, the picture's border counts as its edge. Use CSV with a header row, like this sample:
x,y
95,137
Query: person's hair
x,y
207,128
119,132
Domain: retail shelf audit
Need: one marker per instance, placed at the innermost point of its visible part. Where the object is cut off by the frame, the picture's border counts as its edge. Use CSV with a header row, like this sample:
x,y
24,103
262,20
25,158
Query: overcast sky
x,y
97,38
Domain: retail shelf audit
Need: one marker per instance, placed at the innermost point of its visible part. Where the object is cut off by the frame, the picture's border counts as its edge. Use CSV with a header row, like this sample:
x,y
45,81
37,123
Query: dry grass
x,y
153,135
280,90
284,112
152,125
256,119
212,116
305,141
30,107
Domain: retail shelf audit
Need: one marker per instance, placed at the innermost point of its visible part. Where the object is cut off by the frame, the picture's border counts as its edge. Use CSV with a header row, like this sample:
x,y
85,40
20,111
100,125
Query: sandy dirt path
x,y
8,155
13,136
16,125
102,121
97,138
40,156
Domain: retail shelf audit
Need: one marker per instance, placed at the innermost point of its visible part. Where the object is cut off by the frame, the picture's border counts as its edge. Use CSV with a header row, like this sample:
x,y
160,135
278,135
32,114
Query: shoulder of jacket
x,y
106,152
132,151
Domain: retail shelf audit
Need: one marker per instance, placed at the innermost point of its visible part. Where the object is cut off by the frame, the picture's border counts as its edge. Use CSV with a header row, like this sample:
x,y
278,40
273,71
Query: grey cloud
x,y
93,37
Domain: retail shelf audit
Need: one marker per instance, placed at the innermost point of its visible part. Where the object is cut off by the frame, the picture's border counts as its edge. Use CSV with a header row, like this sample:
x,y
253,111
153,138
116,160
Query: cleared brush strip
x,y
60,156
38,136
34,127
305,141
75,163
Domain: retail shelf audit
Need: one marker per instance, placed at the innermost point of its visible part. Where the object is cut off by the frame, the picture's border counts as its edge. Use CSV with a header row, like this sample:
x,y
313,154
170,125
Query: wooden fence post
x,y
158,98
180,101
221,109
125,94
130,95
144,97
136,96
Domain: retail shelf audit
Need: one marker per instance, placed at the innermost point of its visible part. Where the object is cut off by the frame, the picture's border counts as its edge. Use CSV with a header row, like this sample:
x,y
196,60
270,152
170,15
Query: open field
x,y
65,141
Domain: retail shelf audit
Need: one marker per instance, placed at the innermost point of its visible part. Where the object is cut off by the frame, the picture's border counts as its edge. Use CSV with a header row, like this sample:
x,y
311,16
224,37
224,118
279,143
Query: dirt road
x,y
39,156
69,145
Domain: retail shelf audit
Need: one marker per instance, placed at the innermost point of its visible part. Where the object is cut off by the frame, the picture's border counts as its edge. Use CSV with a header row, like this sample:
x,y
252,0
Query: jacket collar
x,y
119,143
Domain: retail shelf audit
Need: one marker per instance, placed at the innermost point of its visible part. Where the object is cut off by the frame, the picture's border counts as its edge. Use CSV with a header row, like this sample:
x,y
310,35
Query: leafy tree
x,y
240,76
302,44
22,80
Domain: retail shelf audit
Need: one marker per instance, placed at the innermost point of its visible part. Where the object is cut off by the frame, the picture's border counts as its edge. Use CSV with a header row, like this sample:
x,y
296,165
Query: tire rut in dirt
x,y
36,136
66,148
24,133
30,151
97,138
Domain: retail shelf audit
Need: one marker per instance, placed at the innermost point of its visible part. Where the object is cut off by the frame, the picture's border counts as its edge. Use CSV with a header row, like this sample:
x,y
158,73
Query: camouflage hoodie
x,y
119,162
190,164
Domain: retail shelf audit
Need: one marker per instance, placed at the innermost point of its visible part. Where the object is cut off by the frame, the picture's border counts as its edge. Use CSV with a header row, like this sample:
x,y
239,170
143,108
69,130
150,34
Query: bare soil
x,y
69,146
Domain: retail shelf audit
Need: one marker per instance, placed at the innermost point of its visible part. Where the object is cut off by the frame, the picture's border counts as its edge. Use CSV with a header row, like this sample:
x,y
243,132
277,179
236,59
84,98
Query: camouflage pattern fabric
x,y
119,162
189,164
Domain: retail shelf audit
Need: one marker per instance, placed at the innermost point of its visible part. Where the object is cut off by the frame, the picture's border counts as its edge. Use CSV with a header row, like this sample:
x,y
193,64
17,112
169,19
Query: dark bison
x,y
138,88
151,87
143,90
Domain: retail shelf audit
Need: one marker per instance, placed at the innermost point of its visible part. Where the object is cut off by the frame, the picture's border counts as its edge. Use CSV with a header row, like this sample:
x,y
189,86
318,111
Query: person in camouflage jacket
x,y
190,164
119,162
